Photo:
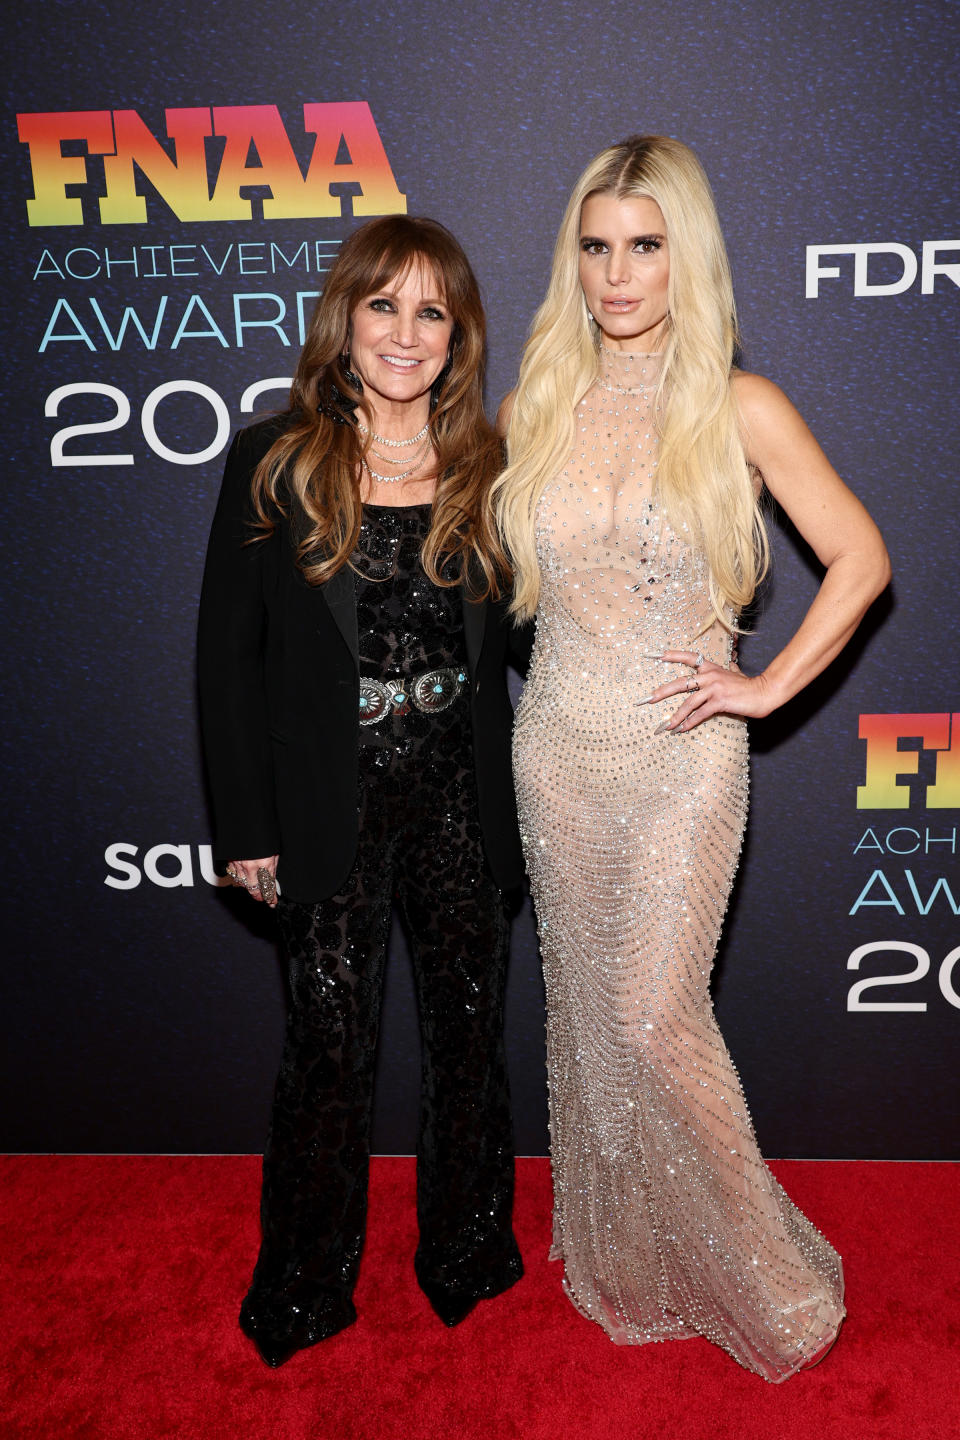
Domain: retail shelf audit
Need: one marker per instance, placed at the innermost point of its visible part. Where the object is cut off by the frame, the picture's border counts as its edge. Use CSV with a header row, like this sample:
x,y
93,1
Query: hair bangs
x,y
314,469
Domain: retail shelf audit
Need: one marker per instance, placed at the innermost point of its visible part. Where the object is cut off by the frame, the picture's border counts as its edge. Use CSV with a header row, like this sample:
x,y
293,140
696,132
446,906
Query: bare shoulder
x,y
505,412
758,398
770,424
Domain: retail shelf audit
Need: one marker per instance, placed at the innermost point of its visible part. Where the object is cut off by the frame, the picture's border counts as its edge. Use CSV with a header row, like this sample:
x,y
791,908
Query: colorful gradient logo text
x,y
887,764
347,154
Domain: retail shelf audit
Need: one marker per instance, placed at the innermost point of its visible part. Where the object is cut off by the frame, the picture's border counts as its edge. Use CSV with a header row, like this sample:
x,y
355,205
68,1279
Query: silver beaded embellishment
x,y
666,1217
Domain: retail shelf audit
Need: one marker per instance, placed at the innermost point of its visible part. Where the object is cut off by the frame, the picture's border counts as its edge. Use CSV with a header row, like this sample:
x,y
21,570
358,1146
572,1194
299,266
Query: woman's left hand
x,y
257,877
709,689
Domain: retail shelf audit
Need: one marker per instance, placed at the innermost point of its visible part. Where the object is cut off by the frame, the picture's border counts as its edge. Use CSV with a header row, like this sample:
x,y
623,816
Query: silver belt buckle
x,y
430,693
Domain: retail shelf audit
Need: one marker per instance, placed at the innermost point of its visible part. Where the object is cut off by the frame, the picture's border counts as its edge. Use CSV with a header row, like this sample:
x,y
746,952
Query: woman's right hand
x,y
258,877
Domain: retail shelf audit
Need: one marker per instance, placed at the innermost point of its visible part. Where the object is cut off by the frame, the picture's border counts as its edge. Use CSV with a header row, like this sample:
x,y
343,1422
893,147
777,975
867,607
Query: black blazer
x,y
279,701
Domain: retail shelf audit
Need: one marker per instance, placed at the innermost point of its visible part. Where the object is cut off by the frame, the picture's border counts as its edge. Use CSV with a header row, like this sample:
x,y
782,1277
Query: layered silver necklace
x,y
416,460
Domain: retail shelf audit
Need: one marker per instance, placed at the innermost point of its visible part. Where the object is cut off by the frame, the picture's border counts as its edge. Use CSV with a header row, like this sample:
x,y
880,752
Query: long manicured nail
x,y
651,657
647,700
660,728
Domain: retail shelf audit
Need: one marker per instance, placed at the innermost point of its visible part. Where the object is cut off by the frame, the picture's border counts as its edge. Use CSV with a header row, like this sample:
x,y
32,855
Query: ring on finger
x,y
693,684
699,660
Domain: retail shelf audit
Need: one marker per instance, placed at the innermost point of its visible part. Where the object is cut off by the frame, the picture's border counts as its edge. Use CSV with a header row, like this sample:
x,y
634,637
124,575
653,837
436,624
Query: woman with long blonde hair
x,y
629,508
356,726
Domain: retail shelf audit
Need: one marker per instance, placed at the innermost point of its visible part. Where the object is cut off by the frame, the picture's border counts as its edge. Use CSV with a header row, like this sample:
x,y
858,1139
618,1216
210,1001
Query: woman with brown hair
x,y
357,733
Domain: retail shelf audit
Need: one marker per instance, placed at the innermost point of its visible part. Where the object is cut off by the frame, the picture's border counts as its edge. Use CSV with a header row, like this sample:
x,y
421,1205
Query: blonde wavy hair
x,y
702,477
315,463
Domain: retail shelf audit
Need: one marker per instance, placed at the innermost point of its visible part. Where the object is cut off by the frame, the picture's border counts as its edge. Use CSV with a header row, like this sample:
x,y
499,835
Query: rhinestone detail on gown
x,y
667,1219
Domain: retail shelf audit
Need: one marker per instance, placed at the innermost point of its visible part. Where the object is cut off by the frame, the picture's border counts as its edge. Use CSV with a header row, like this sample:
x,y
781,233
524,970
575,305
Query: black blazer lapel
x,y
474,623
341,596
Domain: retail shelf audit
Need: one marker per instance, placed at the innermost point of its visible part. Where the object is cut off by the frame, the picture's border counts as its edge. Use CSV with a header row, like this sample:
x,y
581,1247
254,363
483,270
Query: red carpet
x,y
122,1278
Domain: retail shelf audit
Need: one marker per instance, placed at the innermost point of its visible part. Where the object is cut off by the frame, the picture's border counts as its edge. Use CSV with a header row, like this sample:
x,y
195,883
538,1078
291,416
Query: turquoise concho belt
x,y
431,692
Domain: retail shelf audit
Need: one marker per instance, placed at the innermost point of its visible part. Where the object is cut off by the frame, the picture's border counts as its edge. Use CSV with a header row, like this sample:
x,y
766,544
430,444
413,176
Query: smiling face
x,y
625,269
399,342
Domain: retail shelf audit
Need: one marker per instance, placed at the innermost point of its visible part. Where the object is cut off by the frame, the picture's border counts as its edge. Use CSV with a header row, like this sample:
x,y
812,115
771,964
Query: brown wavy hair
x,y
315,464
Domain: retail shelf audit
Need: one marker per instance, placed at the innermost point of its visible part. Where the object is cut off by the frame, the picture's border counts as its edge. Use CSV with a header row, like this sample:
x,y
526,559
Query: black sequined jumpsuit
x,y
420,844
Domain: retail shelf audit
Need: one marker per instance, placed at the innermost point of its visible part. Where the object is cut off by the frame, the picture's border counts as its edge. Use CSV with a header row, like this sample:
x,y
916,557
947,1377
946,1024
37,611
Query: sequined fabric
x,y
421,844
406,624
667,1219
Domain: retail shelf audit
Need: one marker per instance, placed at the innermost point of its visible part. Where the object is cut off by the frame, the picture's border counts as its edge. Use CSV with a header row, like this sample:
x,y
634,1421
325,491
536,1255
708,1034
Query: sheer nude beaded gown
x,y
667,1219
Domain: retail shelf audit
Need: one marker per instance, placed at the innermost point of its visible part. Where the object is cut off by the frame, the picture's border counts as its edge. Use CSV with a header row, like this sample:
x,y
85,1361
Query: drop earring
x,y
337,406
438,384
351,376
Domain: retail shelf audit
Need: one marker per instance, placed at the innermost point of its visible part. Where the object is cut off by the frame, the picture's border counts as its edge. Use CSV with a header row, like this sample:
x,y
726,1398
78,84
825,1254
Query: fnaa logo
x,y
347,157
889,766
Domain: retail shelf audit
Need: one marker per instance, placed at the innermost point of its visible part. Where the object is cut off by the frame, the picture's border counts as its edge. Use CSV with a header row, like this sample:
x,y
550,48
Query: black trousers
x,y
421,846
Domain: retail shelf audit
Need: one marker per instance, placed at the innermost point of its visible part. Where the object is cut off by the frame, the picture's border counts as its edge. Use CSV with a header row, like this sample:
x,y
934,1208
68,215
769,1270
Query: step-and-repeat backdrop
x,y
177,181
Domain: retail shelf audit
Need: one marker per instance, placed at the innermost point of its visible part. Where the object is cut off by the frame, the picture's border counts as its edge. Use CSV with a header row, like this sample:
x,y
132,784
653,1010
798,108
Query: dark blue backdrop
x,y
145,1006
